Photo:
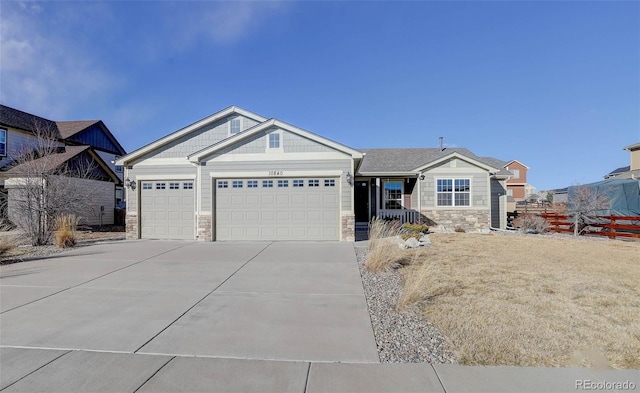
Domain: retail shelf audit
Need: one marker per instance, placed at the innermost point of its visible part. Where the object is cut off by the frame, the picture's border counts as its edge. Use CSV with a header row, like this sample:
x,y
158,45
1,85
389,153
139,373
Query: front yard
x,y
535,300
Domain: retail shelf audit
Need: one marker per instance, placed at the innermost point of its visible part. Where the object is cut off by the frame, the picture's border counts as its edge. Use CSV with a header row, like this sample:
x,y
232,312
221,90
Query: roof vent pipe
x,y
441,145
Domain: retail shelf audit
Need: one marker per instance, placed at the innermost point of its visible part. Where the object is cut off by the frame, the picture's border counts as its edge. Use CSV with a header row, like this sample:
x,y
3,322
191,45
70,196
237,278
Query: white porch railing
x,y
402,215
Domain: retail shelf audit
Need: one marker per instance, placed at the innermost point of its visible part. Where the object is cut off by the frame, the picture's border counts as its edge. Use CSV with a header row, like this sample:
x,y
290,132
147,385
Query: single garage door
x,y
277,209
167,210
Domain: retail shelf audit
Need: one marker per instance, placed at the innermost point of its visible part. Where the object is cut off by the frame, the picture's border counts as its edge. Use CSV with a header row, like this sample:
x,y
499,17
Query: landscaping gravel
x,y
401,337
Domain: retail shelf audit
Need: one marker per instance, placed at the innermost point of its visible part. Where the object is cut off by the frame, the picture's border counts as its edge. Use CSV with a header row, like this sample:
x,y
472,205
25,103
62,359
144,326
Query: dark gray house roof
x,y
618,171
404,160
67,131
14,118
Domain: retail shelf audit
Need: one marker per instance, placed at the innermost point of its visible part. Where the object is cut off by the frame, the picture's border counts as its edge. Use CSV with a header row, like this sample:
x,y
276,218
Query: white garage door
x,y
277,209
167,210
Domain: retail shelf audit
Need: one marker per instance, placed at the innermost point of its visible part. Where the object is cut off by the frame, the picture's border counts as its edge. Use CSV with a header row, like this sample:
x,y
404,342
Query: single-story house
x,y
236,175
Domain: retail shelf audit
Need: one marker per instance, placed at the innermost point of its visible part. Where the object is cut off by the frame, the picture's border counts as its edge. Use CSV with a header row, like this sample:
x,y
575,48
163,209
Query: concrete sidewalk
x,y
39,370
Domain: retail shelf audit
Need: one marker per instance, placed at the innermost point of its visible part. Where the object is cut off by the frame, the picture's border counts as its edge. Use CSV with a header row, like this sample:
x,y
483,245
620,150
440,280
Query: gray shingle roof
x,y
10,117
47,163
408,159
620,170
70,128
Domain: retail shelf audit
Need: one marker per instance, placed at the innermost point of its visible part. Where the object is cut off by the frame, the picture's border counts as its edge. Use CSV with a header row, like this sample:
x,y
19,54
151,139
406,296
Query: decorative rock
x,y
412,242
425,241
401,336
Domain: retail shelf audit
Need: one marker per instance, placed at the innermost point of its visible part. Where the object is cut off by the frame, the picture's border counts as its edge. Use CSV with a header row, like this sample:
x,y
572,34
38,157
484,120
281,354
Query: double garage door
x,y
245,209
277,209
167,209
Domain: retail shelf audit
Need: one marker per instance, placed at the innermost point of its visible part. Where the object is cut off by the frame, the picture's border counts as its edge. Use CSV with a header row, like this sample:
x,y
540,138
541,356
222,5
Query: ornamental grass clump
x,y
7,242
66,230
383,245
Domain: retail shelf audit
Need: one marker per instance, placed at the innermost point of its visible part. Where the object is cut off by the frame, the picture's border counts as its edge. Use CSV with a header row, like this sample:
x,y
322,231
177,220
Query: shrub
x,y
421,228
66,230
531,223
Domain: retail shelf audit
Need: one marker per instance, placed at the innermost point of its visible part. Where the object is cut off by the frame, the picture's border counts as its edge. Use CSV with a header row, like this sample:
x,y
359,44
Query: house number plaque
x,y
275,173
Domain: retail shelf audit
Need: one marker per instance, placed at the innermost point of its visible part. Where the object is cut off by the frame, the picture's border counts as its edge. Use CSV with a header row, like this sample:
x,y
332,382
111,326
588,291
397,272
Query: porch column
x,y
377,195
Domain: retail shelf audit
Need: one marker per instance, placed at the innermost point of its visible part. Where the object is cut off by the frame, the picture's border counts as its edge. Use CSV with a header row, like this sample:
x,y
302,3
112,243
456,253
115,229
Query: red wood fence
x,y
610,226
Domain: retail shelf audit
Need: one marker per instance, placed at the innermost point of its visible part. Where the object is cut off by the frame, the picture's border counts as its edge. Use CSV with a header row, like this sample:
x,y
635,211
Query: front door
x,y
362,201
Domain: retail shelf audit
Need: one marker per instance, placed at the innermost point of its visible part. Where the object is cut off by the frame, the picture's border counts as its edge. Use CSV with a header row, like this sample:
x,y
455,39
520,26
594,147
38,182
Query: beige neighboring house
x,y
236,175
631,171
76,172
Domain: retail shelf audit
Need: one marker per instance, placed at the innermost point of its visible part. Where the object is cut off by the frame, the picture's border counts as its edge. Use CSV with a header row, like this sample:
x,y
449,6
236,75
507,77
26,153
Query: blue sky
x,y
555,85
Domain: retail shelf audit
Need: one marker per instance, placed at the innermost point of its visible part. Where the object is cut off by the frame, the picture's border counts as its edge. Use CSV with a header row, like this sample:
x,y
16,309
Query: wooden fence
x,y
610,226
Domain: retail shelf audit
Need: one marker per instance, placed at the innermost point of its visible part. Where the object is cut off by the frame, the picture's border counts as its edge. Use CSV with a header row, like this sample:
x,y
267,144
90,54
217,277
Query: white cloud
x,y
41,72
224,22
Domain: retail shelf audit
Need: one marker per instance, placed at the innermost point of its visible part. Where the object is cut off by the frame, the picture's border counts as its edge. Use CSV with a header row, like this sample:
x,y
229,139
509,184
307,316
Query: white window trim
x,y
384,194
279,149
6,137
453,192
230,121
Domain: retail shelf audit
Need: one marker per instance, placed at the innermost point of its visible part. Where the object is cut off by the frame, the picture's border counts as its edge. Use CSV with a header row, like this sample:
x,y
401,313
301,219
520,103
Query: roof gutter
x,y
388,174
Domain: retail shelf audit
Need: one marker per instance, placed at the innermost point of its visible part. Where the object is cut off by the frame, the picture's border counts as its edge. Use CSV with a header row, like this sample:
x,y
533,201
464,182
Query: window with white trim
x,y
453,192
234,126
252,184
393,194
147,186
516,173
274,140
267,184
298,183
174,186
283,183
329,182
223,184
161,186
187,186
314,183
3,142
237,184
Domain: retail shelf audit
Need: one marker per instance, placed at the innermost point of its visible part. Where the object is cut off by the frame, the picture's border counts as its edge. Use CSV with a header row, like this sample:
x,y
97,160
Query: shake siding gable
x,y
457,169
201,138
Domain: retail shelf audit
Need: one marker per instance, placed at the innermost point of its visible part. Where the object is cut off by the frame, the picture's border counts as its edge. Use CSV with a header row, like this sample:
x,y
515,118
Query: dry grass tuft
x,y
7,241
531,223
383,246
531,301
66,235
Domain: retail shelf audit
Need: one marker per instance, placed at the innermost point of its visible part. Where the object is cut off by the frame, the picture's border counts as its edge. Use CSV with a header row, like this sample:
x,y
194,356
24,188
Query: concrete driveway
x,y
152,316
280,301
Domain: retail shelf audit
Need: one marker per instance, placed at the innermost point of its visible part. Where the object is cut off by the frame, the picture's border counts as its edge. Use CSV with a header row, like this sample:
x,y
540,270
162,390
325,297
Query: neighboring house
x,y
236,175
517,186
631,171
20,133
77,173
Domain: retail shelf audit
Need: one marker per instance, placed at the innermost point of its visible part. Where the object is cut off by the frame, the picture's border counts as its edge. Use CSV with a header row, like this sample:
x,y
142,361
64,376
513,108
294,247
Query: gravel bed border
x,y
401,336
42,252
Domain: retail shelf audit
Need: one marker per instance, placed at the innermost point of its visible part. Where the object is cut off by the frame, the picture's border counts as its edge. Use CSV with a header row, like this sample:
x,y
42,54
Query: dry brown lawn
x,y
531,300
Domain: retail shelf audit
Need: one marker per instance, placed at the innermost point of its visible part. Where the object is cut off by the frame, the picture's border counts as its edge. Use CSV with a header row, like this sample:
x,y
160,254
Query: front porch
x,y
387,199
